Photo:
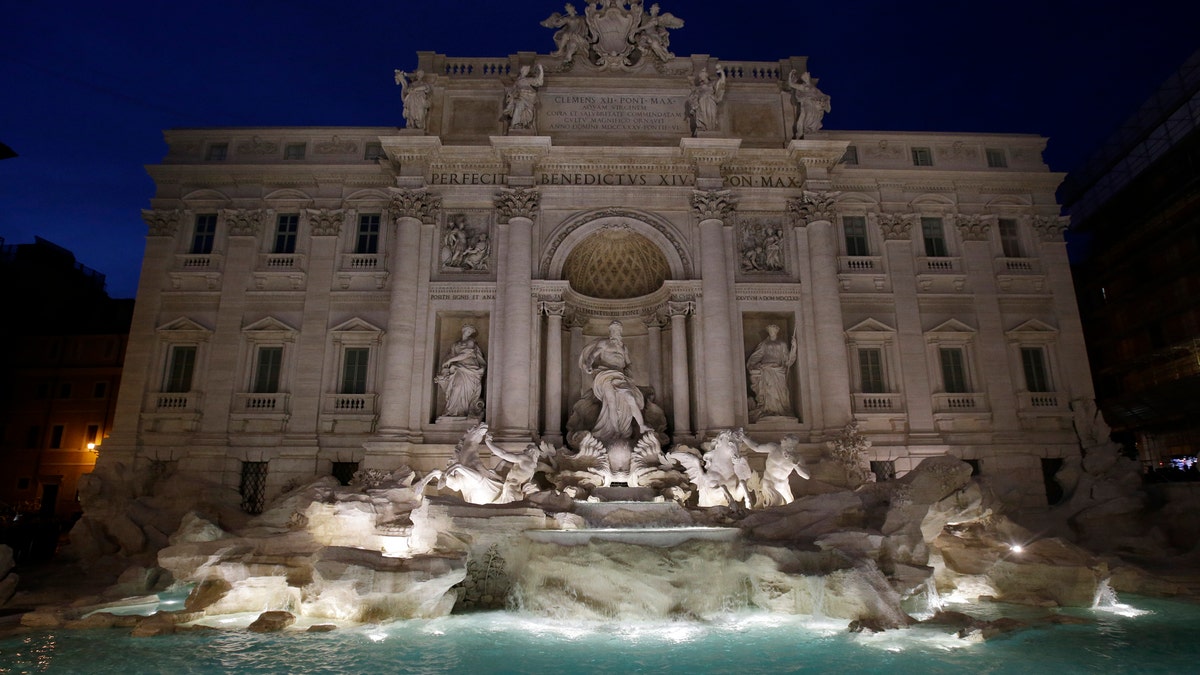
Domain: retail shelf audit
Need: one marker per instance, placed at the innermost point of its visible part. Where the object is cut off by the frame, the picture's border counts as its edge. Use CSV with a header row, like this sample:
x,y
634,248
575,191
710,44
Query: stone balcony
x,y
280,271
172,411
261,403
861,274
966,402
349,413
260,413
936,274
196,271
362,271
878,403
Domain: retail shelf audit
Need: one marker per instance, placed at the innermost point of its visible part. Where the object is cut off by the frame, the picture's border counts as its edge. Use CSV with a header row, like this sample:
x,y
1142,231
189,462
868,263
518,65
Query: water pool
x,y
1161,639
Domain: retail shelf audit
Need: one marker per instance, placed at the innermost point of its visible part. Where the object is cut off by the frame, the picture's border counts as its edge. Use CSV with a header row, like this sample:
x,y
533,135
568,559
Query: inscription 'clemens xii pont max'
x,y
626,113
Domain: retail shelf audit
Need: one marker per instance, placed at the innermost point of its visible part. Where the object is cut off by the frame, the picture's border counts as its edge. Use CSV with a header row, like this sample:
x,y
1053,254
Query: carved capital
x,y
714,204
896,226
1050,228
814,206
553,308
974,227
681,307
162,223
418,203
654,320
243,222
517,203
326,222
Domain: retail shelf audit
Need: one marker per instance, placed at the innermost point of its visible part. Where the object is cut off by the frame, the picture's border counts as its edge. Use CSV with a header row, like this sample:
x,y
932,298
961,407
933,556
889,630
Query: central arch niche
x,y
616,263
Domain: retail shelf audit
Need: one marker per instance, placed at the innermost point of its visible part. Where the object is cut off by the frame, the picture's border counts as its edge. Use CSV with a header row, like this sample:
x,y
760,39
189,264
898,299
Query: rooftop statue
x,y
461,376
520,101
652,36
612,34
768,367
414,92
572,37
811,103
704,99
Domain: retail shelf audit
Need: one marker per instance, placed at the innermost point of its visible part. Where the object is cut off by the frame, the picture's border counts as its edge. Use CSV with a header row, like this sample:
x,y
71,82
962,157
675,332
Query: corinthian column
x,y
714,207
414,211
552,406
814,212
680,397
516,208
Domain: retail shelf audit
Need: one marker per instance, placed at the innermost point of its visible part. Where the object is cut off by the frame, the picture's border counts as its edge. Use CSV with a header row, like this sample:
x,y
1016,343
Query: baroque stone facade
x,y
302,289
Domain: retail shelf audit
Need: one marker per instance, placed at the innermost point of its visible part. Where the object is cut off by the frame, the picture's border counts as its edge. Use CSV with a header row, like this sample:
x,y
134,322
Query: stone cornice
x,y
709,151
403,149
521,150
810,153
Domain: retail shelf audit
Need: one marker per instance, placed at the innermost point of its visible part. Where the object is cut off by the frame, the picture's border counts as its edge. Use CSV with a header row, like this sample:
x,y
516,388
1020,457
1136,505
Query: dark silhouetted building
x,y
1135,211
63,343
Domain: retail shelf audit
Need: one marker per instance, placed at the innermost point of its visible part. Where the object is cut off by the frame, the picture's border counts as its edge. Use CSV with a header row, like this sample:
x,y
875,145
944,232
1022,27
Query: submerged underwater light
x,y
1016,548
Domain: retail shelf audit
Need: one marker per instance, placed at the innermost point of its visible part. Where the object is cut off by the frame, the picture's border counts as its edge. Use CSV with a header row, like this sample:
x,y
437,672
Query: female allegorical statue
x,y
461,376
768,368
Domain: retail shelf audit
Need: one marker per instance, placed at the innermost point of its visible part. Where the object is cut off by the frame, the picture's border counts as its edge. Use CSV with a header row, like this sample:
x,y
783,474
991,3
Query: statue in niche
x,y
415,93
774,488
572,35
461,376
652,36
520,100
811,103
704,99
768,367
621,401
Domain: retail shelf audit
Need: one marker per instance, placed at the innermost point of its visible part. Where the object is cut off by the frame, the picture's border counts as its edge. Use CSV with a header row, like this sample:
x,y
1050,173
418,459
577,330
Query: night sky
x,y
87,88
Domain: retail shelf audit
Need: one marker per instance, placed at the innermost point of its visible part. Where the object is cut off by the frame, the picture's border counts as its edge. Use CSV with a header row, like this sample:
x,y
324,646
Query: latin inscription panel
x,y
619,113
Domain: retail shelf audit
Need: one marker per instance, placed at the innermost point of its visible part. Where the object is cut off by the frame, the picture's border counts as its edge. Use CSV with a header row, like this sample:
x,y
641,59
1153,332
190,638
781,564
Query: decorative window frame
x,y
362,408
353,267
264,411
955,334
873,334
188,405
1036,333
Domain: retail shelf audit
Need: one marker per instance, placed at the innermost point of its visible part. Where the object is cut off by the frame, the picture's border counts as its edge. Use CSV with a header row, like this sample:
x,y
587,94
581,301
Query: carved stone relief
x,y
466,242
760,244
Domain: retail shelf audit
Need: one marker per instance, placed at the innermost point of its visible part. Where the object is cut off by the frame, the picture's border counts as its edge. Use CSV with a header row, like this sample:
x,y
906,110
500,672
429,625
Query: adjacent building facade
x,y
64,342
1136,204
303,288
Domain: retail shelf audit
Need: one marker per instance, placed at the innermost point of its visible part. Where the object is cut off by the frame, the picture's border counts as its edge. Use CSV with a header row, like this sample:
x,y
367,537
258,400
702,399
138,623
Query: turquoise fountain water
x,y
1144,635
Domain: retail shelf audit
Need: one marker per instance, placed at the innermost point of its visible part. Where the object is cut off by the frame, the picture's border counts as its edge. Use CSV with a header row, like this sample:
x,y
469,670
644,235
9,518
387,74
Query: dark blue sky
x,y
87,88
